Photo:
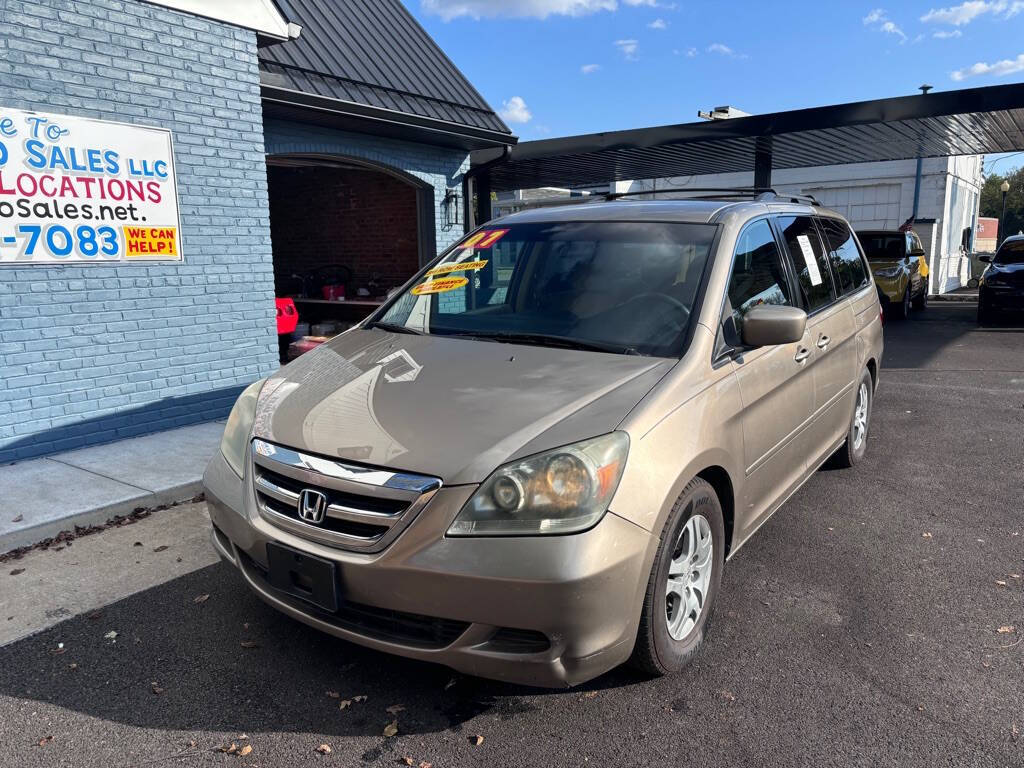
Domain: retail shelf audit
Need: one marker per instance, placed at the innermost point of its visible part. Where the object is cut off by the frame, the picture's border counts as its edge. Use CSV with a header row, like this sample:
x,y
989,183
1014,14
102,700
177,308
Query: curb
x,y
35,534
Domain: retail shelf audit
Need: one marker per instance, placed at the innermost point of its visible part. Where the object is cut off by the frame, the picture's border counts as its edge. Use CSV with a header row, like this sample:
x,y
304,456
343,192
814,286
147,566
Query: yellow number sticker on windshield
x,y
443,285
485,238
464,266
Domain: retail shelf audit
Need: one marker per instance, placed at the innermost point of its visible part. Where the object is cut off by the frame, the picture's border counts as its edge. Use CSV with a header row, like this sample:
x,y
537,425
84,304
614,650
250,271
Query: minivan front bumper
x,y
539,610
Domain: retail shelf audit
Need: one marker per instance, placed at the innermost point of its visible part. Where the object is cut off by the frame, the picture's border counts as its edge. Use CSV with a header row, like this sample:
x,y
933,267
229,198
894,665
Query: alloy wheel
x,y
689,577
860,417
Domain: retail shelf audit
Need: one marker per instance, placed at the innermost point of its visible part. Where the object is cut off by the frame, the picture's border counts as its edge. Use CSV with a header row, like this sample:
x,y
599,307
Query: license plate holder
x,y
304,576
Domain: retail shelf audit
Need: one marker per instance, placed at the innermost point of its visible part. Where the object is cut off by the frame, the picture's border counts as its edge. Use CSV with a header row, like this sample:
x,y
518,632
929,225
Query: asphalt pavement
x,y
860,626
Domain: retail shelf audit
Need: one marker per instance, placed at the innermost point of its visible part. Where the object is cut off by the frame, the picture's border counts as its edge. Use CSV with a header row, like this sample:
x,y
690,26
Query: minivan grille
x,y
364,508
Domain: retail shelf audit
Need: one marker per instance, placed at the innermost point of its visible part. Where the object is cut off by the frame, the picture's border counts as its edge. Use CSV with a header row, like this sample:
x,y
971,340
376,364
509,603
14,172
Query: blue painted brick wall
x,y
440,167
89,354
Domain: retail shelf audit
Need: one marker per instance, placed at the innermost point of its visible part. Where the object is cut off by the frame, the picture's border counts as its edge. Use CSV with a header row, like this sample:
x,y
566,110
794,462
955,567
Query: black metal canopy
x,y
965,122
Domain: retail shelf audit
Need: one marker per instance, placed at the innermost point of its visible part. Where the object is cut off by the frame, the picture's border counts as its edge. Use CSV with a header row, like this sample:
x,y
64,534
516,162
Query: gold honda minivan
x,y
534,461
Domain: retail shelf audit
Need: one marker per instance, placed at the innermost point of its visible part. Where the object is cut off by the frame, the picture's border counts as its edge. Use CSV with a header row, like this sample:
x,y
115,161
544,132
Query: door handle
x,y
802,354
824,341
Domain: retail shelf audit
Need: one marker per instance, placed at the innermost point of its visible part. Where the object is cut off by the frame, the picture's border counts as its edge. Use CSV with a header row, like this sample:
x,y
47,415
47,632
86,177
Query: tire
x,y
901,311
921,302
657,651
856,446
984,313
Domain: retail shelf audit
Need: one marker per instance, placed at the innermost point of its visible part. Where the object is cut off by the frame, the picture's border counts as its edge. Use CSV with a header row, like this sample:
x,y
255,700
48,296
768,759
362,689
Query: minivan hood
x,y
448,407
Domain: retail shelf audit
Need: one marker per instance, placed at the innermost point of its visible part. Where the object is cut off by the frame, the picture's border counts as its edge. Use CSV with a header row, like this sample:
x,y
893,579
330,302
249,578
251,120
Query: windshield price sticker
x,y
443,285
485,238
465,266
76,190
812,263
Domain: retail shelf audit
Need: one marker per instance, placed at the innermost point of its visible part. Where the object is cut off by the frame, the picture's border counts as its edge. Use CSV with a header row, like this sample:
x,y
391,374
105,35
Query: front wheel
x,y
856,444
921,302
684,582
901,311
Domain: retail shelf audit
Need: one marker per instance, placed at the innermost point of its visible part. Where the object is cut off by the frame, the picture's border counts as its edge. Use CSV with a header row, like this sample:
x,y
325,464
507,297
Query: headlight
x,y
889,272
236,431
561,491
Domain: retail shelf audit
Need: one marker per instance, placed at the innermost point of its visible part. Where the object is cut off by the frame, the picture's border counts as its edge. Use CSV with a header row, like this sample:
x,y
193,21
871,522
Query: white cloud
x,y
648,3
691,52
589,69
515,111
965,13
946,34
998,68
891,28
628,48
658,24
875,16
725,50
540,9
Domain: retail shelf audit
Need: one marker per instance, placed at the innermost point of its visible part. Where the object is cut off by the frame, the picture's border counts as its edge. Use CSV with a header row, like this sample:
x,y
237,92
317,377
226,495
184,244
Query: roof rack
x,y
760,194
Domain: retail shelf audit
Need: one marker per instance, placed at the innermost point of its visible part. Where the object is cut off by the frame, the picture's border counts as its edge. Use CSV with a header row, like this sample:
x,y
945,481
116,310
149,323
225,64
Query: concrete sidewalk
x,y
41,497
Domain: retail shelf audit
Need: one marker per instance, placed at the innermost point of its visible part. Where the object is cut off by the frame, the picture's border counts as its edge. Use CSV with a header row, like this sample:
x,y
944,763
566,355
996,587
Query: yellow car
x,y
901,272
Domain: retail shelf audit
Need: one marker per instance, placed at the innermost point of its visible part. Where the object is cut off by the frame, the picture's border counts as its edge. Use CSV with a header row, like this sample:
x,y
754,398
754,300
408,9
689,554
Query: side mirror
x,y
917,252
986,257
771,324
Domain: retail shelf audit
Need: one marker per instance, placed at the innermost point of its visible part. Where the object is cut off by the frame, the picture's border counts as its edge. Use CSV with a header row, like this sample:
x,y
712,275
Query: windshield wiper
x,y
549,340
396,328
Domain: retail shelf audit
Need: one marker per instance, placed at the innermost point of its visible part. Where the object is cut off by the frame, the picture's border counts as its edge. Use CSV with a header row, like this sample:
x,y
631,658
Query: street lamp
x,y
1004,188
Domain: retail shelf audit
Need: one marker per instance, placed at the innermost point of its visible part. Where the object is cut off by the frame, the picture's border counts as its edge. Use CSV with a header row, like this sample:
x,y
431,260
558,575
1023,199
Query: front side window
x,y
814,276
847,263
1010,252
625,287
757,278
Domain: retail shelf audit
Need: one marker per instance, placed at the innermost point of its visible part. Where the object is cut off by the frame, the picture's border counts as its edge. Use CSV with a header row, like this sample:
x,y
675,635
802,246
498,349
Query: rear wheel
x,y
856,444
683,584
921,302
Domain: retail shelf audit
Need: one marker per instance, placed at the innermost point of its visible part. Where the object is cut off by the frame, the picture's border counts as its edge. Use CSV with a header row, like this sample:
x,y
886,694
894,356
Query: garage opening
x,y
344,232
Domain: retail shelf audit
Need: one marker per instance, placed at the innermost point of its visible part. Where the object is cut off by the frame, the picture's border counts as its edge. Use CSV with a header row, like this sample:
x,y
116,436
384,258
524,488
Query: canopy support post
x,y
763,162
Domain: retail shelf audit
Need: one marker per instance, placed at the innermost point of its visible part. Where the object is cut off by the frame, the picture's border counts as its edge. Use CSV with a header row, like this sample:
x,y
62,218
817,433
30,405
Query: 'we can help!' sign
x,y
75,190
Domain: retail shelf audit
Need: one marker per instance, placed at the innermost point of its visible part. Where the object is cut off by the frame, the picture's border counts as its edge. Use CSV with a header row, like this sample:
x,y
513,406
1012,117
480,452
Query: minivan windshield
x,y
621,287
1010,252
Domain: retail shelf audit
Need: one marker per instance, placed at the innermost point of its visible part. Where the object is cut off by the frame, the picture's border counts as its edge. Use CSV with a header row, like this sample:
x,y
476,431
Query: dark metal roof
x,y
369,57
973,121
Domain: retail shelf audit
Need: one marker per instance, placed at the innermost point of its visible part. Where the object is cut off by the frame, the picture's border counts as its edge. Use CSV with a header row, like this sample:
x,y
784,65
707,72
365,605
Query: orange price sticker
x,y
457,266
443,285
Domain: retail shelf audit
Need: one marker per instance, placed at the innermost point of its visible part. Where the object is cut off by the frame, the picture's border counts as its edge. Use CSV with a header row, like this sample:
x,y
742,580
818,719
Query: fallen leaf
x,y
245,750
200,598
407,760
926,535
111,635
590,695
359,699
16,571
232,749
391,729
161,548
1000,583
425,764
1008,629
324,749
18,519
476,740
333,695
728,695
1014,575
249,644
344,703
155,688
73,665
44,741
394,709
192,744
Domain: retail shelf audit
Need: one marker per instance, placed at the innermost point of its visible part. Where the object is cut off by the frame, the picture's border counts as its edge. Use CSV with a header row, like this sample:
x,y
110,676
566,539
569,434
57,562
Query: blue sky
x,y
561,67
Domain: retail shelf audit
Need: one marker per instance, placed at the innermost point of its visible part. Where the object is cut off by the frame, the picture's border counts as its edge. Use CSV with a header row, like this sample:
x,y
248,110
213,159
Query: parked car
x,y
900,269
1001,287
533,462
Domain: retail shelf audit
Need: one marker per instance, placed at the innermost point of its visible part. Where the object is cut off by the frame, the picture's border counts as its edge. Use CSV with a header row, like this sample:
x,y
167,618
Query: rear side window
x,y
814,276
847,263
757,277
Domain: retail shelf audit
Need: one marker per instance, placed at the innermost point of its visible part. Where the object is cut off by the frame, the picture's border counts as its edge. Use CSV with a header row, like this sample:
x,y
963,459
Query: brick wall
x,y
94,353
439,167
364,220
